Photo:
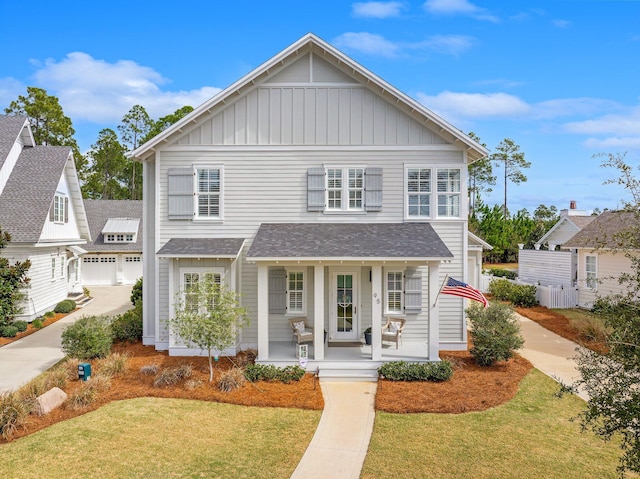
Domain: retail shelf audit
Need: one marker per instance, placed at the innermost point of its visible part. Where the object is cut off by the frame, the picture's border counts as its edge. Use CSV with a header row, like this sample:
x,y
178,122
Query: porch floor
x,y
407,351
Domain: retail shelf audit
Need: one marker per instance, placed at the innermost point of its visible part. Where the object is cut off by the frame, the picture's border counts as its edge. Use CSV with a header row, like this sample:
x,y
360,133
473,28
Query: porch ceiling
x,y
343,241
201,248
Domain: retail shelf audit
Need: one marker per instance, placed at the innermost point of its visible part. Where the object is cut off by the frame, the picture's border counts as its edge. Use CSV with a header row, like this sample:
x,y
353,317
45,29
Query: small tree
x,y
208,315
495,331
12,279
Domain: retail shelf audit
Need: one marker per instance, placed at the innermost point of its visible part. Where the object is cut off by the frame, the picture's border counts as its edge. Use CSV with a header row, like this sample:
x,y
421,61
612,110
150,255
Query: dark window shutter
x,y
66,210
315,189
277,291
373,189
180,193
412,291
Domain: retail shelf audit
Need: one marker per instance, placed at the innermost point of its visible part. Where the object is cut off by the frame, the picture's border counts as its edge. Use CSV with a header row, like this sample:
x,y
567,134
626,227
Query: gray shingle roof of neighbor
x,y
29,192
98,214
604,230
10,127
343,241
201,248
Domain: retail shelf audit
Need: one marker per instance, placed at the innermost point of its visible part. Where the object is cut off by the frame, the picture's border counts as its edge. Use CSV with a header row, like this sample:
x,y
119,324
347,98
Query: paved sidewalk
x,y
26,358
340,444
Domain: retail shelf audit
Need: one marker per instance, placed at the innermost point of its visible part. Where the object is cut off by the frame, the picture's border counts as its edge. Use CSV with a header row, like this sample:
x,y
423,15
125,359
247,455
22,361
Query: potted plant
x,y
367,336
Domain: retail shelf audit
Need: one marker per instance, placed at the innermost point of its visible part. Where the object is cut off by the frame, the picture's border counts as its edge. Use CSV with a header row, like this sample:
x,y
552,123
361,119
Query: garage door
x,y
132,268
98,270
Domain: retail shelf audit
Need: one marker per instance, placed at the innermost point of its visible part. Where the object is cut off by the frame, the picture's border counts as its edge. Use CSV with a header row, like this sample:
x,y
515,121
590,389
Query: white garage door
x,y
98,270
132,268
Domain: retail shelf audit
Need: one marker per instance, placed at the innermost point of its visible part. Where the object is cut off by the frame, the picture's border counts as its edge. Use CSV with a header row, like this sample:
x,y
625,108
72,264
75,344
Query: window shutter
x,y
66,210
373,189
315,189
412,291
180,193
277,291
52,210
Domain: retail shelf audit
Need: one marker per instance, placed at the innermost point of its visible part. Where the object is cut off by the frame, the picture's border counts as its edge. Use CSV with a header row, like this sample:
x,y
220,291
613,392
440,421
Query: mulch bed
x,y
30,329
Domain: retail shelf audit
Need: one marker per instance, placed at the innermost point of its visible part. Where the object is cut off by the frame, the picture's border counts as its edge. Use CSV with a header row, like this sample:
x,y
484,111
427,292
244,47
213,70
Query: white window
x,y
58,208
208,191
128,238
295,292
189,283
62,267
394,291
592,272
53,268
419,192
449,192
345,195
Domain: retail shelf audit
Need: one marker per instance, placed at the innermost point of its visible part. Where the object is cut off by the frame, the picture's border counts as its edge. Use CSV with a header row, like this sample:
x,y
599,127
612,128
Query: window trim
x,y
434,194
345,189
303,310
448,194
215,270
59,201
588,281
407,168
388,310
196,193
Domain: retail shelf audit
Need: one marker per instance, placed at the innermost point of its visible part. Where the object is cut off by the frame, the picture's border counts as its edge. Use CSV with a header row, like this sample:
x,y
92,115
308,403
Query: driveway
x,y
23,360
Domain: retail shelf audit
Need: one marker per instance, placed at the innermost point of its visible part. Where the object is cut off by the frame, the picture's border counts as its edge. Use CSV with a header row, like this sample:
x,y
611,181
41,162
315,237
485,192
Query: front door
x,y
344,306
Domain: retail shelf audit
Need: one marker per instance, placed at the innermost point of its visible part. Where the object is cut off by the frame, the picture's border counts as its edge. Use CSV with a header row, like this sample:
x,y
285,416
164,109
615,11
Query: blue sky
x,y
559,77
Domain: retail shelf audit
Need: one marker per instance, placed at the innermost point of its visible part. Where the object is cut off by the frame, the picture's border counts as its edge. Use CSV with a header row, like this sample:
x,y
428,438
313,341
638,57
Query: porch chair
x,y
301,332
392,331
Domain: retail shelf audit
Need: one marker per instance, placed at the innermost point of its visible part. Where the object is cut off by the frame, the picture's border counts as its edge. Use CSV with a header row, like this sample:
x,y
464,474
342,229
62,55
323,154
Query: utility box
x,y
84,371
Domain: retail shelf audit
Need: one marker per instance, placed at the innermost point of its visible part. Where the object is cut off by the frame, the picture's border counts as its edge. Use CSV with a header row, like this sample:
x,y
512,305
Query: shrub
x,y
88,391
86,291
65,306
523,295
21,325
89,337
9,331
269,372
192,384
231,379
14,413
501,289
503,273
113,364
149,369
495,331
166,377
184,371
49,314
128,326
402,371
136,292
592,328
37,323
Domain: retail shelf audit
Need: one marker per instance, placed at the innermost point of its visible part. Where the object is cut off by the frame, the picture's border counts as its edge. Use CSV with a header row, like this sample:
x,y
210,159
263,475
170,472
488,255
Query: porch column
x,y
263,312
434,311
376,313
318,312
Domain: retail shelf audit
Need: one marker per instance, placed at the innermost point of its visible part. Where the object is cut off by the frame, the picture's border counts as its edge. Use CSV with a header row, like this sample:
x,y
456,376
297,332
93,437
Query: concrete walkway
x,y
26,358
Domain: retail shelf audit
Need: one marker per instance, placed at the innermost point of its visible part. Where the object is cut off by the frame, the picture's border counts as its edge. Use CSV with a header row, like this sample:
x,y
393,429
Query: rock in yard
x,y
50,400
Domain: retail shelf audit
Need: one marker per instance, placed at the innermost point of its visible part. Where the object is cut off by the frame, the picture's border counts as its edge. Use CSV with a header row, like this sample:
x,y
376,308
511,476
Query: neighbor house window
x,y
418,192
345,189
58,209
295,292
394,292
208,191
591,270
448,192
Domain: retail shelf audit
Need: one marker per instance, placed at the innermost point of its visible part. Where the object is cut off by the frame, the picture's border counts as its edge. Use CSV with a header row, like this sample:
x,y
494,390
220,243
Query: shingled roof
x,y
10,128
604,231
348,241
27,196
100,211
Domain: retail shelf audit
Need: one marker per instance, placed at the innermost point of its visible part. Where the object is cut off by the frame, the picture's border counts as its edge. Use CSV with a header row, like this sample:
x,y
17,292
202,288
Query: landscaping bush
x,y
231,379
269,372
495,331
136,292
523,295
149,369
128,325
402,371
503,273
89,337
166,377
501,289
83,396
65,306
21,325
49,314
591,328
14,412
114,364
37,323
9,331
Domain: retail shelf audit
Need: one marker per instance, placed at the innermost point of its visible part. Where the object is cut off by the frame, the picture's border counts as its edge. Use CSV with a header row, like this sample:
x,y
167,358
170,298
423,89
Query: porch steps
x,y
347,372
80,299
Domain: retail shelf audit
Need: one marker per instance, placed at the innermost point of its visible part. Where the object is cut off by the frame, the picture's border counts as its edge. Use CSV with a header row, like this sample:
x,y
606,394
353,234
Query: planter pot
x,y
367,339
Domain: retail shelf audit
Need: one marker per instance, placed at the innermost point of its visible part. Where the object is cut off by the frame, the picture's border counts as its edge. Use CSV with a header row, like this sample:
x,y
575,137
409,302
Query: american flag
x,y
459,288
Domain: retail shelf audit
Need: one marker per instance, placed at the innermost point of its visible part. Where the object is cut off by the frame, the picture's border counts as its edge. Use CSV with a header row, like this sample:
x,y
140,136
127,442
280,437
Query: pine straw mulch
x,y
30,329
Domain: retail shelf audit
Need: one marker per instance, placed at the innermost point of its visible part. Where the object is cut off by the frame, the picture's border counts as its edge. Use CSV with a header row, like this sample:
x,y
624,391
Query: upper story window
x,y
208,190
419,192
591,271
195,193
59,209
449,192
345,189
420,183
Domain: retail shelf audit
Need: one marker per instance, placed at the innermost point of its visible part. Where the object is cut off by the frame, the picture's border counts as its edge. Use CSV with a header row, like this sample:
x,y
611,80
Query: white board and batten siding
x,y
547,268
53,231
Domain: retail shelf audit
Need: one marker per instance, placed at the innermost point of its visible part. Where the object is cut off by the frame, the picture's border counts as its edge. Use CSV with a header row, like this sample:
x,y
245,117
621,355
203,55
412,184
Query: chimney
x,y
573,205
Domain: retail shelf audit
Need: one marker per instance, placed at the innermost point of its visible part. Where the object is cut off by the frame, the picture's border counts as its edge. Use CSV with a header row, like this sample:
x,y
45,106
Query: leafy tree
x,y
12,279
512,159
481,177
135,125
105,180
208,315
165,122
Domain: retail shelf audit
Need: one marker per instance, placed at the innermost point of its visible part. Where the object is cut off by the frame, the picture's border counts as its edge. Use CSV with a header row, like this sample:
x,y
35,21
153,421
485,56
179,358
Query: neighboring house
x,y
557,265
41,208
114,257
474,260
314,189
600,259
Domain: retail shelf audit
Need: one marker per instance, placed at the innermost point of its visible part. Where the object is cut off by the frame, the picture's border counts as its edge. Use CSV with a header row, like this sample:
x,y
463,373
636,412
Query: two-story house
x,y
41,208
314,189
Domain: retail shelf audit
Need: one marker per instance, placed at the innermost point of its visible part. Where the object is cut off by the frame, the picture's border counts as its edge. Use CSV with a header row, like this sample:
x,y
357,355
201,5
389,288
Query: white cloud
x,y
561,23
564,107
377,9
625,123
453,105
373,44
98,91
446,44
614,142
10,88
458,7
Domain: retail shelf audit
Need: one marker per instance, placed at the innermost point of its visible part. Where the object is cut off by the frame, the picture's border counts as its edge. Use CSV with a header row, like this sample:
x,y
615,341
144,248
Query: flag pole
x,y
446,277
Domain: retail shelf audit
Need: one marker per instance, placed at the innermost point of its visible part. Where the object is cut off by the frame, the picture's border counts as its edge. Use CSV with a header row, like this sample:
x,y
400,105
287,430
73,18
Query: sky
x,y
561,78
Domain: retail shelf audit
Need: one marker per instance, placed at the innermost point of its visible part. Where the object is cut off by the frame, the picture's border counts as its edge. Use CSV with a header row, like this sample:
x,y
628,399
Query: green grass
x,y
151,437
529,437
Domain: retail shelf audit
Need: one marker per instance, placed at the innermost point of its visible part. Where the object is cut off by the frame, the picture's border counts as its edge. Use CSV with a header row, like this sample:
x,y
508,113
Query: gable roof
x,y
201,248
602,231
398,241
12,127
99,212
577,223
27,196
312,43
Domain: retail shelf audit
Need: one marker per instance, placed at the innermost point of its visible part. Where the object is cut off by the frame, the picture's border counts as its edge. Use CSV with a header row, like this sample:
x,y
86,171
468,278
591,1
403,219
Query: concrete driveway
x,y
26,358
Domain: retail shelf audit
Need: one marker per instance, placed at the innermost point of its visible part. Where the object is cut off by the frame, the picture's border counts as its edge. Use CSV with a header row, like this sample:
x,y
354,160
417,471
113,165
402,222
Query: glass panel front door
x,y
345,307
